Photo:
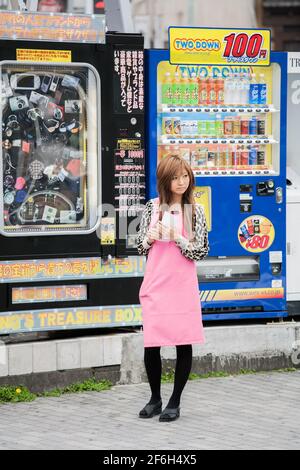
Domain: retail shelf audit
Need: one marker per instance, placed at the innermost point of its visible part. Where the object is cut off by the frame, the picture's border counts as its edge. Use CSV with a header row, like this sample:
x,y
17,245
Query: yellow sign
x,y
256,234
85,317
241,294
219,46
202,196
43,55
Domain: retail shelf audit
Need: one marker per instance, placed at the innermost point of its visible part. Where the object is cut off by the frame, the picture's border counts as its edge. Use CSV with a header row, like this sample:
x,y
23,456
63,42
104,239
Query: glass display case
x,y
51,148
221,122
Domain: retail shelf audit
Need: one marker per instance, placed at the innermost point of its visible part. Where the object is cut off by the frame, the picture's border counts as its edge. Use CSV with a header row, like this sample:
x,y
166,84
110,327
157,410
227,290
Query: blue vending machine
x,y
229,123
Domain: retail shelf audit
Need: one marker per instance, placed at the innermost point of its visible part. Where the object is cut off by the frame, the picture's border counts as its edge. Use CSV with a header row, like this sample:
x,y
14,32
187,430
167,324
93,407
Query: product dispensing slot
x,y
228,269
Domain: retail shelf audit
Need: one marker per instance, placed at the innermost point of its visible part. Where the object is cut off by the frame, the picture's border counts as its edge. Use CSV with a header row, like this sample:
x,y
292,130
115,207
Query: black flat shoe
x,y
151,410
170,414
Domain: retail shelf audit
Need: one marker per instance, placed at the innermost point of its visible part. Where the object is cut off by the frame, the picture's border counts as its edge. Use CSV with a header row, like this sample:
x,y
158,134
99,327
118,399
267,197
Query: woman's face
x,y
180,183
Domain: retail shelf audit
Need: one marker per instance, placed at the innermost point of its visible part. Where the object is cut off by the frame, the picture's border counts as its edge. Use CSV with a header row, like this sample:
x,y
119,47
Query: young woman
x,y
173,235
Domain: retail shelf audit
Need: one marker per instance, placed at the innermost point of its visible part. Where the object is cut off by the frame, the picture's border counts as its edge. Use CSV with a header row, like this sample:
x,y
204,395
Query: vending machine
x,y
71,180
229,123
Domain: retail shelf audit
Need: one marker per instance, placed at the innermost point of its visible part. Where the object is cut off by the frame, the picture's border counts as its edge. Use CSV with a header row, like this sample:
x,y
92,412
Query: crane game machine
x,y
71,172
217,99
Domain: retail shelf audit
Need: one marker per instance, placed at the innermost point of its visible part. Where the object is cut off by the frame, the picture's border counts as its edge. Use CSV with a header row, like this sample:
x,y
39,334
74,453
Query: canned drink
x,y
219,127
202,157
227,159
211,128
236,158
228,126
244,157
211,158
261,127
177,126
167,126
253,156
245,232
250,227
236,127
261,157
253,126
245,127
219,159
202,128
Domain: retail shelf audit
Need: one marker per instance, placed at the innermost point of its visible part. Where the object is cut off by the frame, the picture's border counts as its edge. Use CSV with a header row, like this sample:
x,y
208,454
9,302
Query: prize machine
x,y
72,172
229,123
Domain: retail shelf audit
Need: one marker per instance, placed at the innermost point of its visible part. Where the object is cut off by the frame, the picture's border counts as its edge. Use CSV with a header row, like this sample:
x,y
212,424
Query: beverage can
x,y
202,128
219,90
228,126
236,158
236,127
245,127
211,157
253,126
261,157
211,91
253,156
219,126
202,156
167,126
211,128
177,126
244,157
261,127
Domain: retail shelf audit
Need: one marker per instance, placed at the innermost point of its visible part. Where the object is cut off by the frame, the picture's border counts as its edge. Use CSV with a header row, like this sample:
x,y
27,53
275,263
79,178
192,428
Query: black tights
x,y
183,368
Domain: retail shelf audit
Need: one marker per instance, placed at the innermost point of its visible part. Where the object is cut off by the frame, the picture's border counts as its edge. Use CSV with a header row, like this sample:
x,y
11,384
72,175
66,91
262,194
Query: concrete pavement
x,y
259,411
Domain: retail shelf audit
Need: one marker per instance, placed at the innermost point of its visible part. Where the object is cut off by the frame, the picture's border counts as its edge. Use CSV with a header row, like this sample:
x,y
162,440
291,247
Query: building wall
x,y
153,17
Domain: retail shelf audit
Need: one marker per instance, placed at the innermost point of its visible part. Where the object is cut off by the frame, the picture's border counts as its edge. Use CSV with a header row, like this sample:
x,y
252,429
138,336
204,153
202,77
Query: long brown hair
x,y
166,170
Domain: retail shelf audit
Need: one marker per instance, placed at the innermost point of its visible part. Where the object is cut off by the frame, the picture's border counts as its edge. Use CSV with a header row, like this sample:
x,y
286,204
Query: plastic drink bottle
x,y
167,90
253,91
228,90
185,90
236,89
203,91
245,88
262,93
211,90
194,90
177,90
219,86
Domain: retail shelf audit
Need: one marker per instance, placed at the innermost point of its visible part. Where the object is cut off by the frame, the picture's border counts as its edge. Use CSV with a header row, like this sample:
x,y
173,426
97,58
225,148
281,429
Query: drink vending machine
x,y
71,174
229,123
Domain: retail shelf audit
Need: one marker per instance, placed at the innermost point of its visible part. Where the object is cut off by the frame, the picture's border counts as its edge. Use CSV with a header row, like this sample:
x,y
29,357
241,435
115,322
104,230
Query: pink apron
x,y
169,295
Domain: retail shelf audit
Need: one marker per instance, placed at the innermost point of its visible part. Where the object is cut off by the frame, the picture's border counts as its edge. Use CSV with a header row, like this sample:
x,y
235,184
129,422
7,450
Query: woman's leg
x,y
182,372
153,368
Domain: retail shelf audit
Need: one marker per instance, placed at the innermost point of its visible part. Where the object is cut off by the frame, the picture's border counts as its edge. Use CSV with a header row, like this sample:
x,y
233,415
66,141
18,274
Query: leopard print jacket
x,y
195,250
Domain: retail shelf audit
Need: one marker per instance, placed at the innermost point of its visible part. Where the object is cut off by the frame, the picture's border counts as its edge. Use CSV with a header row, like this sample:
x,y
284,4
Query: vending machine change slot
x,y
265,188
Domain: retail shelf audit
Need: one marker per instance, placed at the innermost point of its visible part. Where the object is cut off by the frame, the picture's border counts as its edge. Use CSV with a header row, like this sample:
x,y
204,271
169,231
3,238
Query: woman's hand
x,y
168,233
153,234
